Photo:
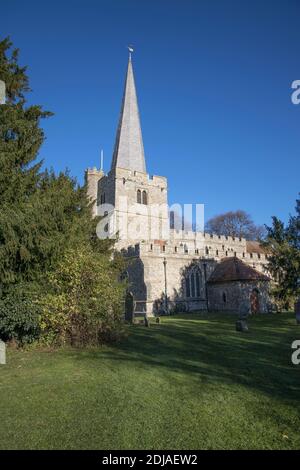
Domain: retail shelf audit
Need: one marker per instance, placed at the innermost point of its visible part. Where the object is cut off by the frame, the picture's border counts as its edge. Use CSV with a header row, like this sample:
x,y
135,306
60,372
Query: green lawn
x,y
190,382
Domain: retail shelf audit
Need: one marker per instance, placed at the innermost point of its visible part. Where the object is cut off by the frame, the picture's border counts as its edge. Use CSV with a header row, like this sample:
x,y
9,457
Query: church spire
x,y
129,149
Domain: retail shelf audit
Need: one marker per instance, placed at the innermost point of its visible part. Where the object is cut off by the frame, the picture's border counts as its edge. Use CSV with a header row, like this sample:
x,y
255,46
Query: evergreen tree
x,y
42,216
283,247
20,133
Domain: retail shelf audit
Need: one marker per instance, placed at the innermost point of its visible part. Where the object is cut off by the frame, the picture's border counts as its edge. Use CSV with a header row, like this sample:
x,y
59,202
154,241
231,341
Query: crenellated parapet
x,y
92,178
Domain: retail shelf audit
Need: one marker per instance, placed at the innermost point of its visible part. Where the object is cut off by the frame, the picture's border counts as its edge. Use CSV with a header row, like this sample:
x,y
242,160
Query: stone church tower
x,y
168,268
136,203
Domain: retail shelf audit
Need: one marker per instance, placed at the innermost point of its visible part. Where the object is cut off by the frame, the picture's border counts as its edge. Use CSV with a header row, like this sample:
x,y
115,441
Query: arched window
x,y
139,196
145,198
197,284
187,287
193,292
193,283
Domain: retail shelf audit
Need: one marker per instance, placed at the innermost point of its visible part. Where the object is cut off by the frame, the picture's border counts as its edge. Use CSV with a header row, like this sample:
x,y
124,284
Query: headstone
x,y
146,320
241,325
2,352
129,307
297,311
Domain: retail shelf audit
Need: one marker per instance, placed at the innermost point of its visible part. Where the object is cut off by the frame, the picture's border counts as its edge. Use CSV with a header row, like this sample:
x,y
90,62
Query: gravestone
x,y
241,325
297,311
129,307
2,352
146,321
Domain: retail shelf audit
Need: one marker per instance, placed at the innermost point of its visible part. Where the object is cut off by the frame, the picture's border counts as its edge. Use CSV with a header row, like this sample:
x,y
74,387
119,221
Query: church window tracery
x,y
193,283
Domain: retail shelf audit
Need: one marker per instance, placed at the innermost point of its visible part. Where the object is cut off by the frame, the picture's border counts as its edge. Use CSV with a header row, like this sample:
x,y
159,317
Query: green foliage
x,y
19,316
84,300
283,246
20,134
35,234
43,216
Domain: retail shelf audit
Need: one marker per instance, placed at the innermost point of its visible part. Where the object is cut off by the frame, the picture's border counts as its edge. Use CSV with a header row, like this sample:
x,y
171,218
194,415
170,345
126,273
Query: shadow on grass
x,y
208,349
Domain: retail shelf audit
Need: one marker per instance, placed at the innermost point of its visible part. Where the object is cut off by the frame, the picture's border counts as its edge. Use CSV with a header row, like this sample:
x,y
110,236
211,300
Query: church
x,y
170,268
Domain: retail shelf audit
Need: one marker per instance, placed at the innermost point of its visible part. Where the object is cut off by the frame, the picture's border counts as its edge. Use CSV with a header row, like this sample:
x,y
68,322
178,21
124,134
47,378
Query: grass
x,y
189,382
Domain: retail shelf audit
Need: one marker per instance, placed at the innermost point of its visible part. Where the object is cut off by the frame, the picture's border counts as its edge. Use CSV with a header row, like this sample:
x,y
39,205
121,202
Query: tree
x,y
83,304
235,224
20,133
42,215
283,246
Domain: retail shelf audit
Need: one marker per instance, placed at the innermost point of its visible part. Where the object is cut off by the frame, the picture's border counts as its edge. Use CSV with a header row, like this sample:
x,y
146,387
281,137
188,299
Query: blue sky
x,y
214,87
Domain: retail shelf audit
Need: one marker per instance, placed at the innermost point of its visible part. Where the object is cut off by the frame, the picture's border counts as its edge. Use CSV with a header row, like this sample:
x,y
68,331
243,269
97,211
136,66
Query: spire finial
x,y
130,48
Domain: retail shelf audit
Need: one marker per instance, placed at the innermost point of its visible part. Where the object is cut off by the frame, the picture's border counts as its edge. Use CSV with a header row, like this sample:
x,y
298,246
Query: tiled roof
x,y
254,247
234,269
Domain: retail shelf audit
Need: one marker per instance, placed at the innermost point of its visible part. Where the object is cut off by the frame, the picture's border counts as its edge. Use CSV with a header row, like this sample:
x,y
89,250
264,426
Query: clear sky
x,y
214,88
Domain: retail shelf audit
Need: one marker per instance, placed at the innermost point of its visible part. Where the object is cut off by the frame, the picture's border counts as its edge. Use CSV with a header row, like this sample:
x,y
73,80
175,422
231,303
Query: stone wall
x,y
134,221
235,296
147,275
92,177
156,242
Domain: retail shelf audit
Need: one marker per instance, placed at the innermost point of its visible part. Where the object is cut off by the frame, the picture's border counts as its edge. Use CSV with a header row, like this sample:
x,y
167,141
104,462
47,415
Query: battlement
x,y
165,248
207,237
224,238
94,171
139,177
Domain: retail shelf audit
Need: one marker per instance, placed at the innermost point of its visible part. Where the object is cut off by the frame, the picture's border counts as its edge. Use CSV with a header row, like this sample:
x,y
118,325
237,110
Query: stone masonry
x,y
134,205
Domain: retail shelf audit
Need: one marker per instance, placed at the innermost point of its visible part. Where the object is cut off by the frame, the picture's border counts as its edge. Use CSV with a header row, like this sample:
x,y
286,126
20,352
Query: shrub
x,y
84,300
19,317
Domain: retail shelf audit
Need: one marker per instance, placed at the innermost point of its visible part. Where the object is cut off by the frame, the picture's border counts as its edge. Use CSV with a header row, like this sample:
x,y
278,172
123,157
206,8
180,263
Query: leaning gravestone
x,y
297,311
2,352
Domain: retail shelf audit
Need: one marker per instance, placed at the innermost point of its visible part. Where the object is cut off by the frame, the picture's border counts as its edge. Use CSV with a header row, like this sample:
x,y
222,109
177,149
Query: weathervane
x,y
130,48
